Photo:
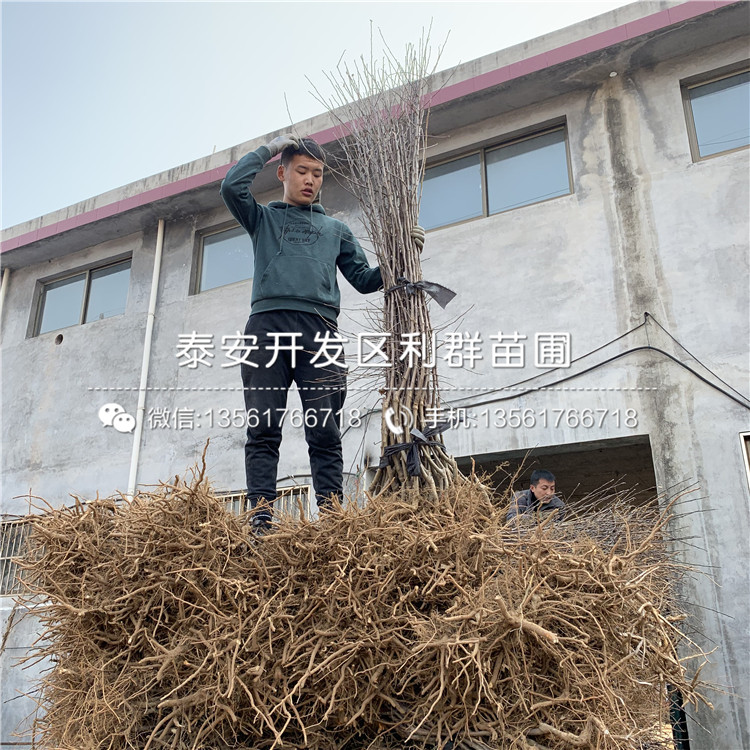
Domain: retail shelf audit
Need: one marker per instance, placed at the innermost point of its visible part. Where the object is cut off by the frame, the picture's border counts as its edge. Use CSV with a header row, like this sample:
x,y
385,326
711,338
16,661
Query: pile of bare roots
x,y
415,621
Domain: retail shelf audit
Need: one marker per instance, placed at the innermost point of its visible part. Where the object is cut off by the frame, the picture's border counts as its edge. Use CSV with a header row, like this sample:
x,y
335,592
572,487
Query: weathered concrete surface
x,y
17,681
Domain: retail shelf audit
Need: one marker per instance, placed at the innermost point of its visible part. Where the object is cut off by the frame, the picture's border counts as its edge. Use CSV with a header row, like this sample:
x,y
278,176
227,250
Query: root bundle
x,y
415,621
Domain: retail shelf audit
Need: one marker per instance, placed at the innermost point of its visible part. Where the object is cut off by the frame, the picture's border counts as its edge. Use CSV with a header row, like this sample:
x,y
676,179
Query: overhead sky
x,y
99,94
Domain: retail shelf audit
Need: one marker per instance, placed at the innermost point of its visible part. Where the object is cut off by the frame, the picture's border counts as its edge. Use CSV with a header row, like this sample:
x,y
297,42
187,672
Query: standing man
x,y
539,498
294,309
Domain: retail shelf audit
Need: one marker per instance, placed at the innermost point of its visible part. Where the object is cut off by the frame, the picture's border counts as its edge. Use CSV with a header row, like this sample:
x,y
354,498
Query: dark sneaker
x,y
262,526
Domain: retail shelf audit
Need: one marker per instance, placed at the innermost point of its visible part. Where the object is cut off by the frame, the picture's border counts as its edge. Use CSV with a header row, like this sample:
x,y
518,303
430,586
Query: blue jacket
x,y
296,248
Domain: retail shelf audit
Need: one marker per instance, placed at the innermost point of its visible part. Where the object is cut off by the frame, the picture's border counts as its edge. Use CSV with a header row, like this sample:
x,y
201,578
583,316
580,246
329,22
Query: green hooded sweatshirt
x,y
296,248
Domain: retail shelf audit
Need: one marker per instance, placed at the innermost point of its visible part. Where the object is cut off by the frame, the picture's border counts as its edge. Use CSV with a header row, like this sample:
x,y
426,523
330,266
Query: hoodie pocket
x,y
298,276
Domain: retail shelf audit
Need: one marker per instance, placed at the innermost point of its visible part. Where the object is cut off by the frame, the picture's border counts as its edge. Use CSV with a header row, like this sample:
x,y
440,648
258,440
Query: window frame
x,y
745,448
482,177
509,140
694,82
197,271
86,272
536,134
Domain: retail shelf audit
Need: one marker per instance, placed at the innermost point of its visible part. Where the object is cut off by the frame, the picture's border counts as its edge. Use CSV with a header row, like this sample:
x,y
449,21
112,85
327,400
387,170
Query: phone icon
x,y
394,428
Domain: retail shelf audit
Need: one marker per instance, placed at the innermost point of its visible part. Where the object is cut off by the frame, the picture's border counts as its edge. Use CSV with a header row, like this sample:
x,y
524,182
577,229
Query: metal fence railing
x,y
289,500
13,535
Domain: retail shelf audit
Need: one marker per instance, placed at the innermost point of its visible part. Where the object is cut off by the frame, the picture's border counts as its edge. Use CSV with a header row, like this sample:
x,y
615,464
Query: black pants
x,y
322,390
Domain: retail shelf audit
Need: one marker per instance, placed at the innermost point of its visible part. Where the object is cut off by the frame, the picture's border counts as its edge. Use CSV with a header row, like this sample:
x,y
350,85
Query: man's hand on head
x,y
278,144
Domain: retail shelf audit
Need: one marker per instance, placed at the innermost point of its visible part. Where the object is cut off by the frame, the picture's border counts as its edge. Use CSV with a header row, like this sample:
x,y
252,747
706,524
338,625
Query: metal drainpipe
x,y
146,359
3,289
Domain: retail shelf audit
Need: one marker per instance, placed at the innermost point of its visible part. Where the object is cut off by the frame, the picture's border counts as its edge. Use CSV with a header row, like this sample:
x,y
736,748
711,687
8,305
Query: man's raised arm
x,y
235,189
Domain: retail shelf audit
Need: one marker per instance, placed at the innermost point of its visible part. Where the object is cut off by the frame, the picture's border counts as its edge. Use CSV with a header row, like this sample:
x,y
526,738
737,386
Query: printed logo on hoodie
x,y
301,233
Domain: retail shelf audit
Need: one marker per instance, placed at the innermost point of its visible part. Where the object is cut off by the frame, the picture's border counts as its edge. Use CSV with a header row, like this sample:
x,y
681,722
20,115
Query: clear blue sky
x,y
99,94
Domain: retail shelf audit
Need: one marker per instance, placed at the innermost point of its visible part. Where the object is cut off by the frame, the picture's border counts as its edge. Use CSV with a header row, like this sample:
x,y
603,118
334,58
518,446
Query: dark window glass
x,y
451,192
721,113
62,302
105,291
227,257
108,291
526,172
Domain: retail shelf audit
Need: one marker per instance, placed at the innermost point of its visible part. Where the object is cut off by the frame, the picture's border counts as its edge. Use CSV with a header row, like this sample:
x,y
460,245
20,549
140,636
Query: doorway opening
x,y
580,469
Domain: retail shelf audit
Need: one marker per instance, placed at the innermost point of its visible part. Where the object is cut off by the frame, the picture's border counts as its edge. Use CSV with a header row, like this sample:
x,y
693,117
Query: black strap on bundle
x,y
441,294
413,463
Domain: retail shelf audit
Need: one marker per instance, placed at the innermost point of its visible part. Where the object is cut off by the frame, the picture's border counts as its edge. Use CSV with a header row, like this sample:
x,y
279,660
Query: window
x,y
91,295
224,257
718,114
522,171
745,437
451,192
527,172
13,535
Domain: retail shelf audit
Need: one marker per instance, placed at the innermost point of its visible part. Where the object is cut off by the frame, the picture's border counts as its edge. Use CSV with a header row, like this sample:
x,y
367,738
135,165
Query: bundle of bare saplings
x,y
414,621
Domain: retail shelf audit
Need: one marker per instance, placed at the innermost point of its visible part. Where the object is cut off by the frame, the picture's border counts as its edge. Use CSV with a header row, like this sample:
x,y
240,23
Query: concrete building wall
x,y
645,230
53,442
